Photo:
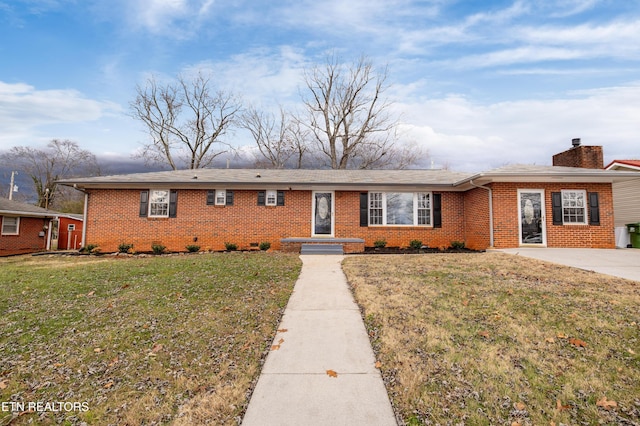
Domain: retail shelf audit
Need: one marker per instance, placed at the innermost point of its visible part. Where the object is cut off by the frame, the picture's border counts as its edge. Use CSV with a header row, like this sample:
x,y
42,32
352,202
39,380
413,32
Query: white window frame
x,y
271,197
152,193
217,197
17,225
567,202
377,200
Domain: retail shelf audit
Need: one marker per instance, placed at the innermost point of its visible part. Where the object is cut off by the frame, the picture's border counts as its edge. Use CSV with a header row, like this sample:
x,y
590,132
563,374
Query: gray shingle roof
x,y
15,207
259,178
345,179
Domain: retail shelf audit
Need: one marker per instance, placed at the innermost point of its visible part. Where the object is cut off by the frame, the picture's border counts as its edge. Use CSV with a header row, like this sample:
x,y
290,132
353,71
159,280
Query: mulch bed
x,y
408,250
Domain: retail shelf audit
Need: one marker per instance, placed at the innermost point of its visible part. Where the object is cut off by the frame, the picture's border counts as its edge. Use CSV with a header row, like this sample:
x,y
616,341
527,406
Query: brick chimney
x,y
586,157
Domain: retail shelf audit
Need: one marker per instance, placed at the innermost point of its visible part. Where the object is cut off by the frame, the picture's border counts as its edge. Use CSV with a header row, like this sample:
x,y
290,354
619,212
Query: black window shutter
x,y
594,209
364,209
229,201
280,201
437,210
211,197
261,198
173,203
556,207
144,203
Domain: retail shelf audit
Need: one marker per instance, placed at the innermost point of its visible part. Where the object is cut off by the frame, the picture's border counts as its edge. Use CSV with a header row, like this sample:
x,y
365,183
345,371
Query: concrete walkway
x,y
324,332
624,263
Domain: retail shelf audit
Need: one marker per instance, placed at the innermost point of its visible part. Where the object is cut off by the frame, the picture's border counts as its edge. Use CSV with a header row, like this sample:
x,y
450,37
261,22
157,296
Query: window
x,y
574,207
159,203
10,225
424,209
400,208
71,227
272,198
375,208
221,197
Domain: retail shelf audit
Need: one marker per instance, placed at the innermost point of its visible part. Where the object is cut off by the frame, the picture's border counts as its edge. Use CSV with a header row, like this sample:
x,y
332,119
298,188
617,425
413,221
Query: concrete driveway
x,y
624,263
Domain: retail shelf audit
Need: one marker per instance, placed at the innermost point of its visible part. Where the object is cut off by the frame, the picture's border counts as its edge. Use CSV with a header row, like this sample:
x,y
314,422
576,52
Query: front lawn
x,y
137,340
495,339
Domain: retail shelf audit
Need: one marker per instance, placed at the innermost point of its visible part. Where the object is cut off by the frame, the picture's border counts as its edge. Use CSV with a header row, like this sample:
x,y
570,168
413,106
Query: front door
x,y
322,225
532,217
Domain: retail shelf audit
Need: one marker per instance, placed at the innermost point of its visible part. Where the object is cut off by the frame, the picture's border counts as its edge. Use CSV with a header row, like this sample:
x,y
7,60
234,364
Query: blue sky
x,y
479,84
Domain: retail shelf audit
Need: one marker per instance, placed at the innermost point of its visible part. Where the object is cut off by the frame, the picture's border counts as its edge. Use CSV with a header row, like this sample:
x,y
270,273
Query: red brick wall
x,y
28,239
476,219
113,219
506,221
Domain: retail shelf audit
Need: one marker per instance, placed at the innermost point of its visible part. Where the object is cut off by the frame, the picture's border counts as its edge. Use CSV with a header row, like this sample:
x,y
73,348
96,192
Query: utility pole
x,y
12,184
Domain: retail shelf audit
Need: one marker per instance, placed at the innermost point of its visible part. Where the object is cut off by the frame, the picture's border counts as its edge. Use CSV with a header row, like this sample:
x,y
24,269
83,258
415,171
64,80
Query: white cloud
x,y
262,76
611,34
473,137
172,19
23,109
565,8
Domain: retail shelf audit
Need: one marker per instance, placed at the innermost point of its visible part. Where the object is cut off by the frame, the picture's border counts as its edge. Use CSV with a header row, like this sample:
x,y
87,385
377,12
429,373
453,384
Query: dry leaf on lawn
x,y
519,406
275,347
561,336
378,364
550,340
483,333
561,407
605,403
578,343
3,384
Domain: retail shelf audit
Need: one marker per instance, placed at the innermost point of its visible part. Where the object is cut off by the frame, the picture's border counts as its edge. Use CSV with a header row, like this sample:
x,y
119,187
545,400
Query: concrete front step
x,y
322,249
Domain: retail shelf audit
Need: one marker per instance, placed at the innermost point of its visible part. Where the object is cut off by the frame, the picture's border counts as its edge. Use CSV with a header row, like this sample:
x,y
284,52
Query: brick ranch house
x,y
546,206
26,228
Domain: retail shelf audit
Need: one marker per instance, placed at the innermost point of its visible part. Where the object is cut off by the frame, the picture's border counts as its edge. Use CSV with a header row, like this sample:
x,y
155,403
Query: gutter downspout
x,y
490,210
84,215
84,219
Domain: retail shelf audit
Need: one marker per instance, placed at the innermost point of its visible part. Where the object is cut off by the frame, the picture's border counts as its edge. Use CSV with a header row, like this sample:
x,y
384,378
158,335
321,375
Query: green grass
x,y
140,340
486,339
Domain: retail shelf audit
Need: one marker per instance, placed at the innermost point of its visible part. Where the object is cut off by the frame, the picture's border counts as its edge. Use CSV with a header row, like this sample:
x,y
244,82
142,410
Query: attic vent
x,y
575,142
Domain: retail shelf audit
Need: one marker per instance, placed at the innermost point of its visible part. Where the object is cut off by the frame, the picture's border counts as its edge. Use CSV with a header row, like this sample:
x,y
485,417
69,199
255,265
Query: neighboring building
x,y
26,228
69,227
514,206
626,199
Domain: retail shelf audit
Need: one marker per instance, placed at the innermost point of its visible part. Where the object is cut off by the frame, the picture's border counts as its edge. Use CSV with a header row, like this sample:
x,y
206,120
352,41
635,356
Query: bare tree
x,y
349,120
186,121
280,140
59,159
